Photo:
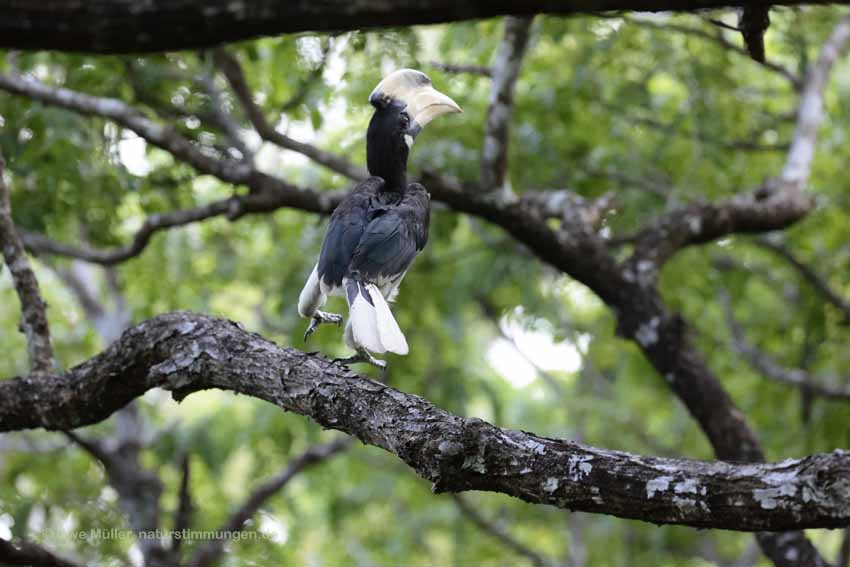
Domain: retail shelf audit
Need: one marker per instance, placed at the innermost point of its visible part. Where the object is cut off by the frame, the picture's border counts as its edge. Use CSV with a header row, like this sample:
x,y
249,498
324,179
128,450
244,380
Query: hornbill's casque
x,y
380,227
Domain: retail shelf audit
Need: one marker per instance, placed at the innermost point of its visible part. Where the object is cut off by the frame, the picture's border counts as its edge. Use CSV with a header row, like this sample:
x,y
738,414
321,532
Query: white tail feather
x,y
363,320
390,334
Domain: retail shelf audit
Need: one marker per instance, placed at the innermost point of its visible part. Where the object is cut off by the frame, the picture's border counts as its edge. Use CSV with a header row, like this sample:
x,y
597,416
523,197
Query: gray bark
x,y
126,26
186,352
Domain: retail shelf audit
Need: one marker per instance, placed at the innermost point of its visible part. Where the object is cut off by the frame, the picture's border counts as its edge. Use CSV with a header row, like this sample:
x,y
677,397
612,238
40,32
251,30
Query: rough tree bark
x,y
185,353
124,26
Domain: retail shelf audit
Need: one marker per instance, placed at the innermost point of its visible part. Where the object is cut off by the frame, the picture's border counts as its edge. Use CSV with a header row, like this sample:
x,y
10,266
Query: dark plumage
x,y
378,229
374,234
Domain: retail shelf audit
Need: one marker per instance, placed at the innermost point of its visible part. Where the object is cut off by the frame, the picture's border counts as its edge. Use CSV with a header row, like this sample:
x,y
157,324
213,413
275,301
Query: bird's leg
x,y
320,317
363,356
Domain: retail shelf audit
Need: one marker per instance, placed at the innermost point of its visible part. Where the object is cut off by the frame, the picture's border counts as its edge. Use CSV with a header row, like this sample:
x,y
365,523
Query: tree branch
x,y
777,204
185,353
506,67
162,136
229,65
809,274
718,39
769,207
124,26
772,370
457,69
39,243
210,552
810,112
33,309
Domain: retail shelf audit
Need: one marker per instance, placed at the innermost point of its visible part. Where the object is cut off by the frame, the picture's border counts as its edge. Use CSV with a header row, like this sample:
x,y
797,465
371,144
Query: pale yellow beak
x,y
414,89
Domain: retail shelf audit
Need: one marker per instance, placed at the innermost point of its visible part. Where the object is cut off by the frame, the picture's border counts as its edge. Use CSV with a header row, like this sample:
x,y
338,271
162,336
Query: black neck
x,y
386,152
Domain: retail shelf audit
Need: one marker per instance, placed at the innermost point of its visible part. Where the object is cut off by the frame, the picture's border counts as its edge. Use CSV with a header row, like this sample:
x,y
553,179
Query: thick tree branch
x,y
186,353
33,309
211,551
506,67
769,207
499,534
229,65
123,26
28,553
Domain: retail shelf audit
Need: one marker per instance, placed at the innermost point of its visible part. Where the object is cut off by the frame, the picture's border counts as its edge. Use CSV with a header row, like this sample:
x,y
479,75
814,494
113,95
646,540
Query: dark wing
x,y
418,199
393,238
386,249
348,221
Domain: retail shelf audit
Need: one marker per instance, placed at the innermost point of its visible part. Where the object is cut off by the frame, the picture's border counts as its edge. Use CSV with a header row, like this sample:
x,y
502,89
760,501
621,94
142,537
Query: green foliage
x,y
603,105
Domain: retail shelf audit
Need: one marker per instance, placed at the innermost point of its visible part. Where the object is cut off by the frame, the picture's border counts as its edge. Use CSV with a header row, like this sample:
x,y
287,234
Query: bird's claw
x,y
363,356
314,324
318,318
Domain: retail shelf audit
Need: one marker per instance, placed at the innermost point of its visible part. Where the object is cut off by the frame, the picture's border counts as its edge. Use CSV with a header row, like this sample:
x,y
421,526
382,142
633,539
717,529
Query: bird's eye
x,y
404,119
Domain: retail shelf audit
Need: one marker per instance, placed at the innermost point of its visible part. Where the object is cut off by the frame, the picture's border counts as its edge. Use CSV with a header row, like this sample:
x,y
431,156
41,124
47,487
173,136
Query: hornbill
x,y
378,229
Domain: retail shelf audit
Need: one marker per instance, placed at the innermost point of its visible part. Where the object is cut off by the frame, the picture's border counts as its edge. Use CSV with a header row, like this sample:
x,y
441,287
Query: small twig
x,y
721,24
231,68
313,77
809,274
455,68
724,43
38,243
774,371
33,308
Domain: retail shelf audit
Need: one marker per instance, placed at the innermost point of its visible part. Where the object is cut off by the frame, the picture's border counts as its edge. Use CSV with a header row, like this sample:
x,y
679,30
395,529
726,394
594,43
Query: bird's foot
x,y
363,356
318,318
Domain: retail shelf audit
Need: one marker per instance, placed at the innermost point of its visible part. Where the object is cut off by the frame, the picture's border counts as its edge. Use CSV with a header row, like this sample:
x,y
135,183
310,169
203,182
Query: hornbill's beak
x,y
413,89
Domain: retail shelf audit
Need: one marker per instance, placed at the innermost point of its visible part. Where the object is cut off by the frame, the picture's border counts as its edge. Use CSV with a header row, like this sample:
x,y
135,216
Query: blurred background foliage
x,y
627,105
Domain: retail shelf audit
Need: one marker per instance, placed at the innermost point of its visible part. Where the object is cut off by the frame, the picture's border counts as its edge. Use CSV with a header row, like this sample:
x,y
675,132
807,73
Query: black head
x,y
404,103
